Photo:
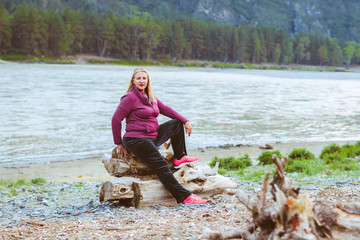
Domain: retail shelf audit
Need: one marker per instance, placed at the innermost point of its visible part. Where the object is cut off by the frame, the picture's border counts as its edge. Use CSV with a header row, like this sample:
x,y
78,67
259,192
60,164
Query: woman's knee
x,y
177,124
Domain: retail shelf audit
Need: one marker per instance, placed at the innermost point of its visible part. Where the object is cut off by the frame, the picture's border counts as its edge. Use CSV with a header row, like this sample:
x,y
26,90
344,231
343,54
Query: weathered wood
x,y
130,165
290,215
127,189
203,181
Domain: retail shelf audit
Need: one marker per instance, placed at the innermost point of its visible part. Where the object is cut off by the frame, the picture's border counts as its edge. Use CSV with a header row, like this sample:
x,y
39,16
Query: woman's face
x,y
141,81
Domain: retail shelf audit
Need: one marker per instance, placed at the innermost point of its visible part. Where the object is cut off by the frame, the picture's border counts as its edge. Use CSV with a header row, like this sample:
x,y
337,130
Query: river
x,y
63,112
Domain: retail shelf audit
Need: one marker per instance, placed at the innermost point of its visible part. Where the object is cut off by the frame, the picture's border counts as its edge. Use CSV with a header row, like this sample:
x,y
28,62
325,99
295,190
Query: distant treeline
x,y
29,31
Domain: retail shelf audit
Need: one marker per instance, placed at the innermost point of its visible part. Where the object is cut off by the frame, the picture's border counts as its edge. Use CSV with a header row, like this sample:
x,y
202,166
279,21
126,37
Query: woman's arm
x,y
121,112
169,112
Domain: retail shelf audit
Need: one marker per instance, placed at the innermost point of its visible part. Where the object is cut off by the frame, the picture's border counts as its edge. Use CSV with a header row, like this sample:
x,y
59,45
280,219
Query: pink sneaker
x,y
184,160
194,200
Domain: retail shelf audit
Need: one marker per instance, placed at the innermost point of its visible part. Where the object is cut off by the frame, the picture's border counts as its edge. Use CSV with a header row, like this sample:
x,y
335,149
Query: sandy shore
x,y
93,169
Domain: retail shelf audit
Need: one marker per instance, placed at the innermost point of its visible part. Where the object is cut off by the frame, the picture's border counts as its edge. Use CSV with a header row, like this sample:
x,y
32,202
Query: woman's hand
x,y
122,150
188,128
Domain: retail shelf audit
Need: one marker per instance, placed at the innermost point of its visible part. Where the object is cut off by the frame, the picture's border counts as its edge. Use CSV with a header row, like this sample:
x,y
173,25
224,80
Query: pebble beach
x,y
67,205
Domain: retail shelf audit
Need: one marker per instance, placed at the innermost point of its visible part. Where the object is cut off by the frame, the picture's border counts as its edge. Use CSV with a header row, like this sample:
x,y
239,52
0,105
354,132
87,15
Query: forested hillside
x,y
49,28
328,18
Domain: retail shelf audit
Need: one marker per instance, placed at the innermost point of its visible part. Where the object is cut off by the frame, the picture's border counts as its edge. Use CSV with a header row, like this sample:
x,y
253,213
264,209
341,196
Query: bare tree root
x,y
291,215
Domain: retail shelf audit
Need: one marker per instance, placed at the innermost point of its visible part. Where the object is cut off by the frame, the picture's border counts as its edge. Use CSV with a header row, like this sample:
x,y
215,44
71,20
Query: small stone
x,y
226,146
39,198
266,147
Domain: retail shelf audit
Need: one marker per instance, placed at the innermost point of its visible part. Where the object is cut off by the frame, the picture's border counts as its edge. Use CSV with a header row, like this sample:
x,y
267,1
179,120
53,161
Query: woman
x,y
143,135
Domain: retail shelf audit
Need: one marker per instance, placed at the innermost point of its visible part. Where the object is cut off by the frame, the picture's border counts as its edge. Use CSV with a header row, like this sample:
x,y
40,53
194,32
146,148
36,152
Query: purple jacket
x,y
140,116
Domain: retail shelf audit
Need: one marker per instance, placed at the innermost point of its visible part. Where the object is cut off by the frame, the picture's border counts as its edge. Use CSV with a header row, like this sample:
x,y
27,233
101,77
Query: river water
x,y
63,112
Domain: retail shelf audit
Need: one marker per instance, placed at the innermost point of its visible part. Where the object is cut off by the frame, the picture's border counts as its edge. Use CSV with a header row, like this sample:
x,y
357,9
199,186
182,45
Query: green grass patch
x,y
341,158
35,59
22,182
351,150
346,165
301,160
13,57
336,163
331,149
37,181
46,191
255,173
265,157
306,167
79,185
332,158
14,185
301,153
123,62
232,163
222,171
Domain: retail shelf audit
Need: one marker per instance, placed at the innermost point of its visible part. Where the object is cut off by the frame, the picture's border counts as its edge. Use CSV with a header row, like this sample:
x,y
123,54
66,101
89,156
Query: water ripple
x,y
63,112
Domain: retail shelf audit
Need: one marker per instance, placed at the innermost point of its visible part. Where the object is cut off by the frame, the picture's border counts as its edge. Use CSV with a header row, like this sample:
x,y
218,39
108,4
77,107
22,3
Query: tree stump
x,y
136,184
290,215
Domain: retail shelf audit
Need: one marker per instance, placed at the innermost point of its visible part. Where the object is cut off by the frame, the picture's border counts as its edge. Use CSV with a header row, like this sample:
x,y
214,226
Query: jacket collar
x,y
142,96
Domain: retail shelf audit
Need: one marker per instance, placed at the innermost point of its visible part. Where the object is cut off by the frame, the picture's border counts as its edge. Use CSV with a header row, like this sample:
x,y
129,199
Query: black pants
x,y
146,150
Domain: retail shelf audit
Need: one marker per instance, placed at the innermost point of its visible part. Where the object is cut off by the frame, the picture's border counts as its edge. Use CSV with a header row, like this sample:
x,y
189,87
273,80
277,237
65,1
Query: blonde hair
x,y
148,90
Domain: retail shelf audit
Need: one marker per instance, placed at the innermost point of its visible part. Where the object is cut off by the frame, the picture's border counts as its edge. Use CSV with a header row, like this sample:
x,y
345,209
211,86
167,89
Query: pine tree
x,y
21,31
323,52
316,42
335,54
57,43
261,54
74,30
179,40
43,33
91,32
269,43
120,47
349,52
106,36
235,45
153,33
277,53
287,52
134,30
166,39
5,31
243,51
302,54
357,54
35,35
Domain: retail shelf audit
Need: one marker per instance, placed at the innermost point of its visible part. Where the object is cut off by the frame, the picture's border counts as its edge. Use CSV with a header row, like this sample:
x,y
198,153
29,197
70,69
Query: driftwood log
x,y
137,186
291,215
118,166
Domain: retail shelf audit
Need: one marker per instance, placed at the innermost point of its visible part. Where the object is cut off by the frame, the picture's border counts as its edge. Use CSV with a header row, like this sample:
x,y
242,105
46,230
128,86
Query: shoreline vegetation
x,y
95,60
243,160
